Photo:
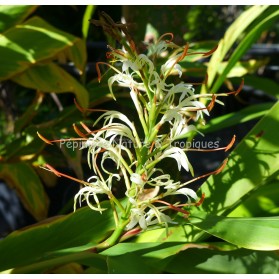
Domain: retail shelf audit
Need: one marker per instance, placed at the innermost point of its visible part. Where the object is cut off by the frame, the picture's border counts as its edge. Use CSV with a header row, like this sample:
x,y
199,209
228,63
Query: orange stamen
x,y
221,167
78,106
59,174
183,54
85,128
229,146
212,103
151,147
98,69
164,35
238,90
201,200
86,109
194,203
211,51
204,53
78,131
43,138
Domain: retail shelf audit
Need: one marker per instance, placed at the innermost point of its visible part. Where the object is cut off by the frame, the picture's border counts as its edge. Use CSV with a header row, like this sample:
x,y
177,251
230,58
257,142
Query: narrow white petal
x,y
187,192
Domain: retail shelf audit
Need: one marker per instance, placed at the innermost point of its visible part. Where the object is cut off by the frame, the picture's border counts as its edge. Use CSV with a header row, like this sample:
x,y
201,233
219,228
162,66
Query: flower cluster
x,y
167,112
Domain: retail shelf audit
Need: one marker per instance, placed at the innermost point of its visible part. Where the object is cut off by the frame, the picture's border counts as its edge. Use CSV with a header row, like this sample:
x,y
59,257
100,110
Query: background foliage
x,y
49,58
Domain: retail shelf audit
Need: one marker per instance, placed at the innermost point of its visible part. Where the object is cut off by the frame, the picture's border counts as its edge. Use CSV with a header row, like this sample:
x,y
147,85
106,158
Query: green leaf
x,y
140,257
245,44
230,37
234,118
89,11
51,78
181,233
212,259
267,85
78,54
23,148
251,233
56,237
253,164
242,68
27,44
29,113
28,186
263,202
11,15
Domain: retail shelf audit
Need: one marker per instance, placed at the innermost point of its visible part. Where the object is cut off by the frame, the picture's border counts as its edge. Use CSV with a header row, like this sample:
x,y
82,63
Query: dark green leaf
x,y
267,85
215,260
51,78
83,228
22,177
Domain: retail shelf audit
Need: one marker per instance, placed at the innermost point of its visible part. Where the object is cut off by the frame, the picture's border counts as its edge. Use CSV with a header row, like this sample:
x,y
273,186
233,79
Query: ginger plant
x,y
167,112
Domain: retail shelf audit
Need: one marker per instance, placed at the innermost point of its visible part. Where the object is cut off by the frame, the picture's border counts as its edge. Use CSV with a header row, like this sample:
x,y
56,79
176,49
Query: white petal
x,y
179,69
187,192
142,222
179,156
136,178
132,223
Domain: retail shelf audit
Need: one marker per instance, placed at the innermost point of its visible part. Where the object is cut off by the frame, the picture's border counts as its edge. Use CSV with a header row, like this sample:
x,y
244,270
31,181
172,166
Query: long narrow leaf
x,y
245,44
251,233
232,34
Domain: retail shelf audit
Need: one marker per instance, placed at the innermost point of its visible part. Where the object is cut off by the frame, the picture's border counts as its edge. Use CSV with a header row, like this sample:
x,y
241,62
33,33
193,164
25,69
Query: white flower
x,y
179,155
86,193
153,216
137,217
180,130
158,48
171,65
96,187
159,216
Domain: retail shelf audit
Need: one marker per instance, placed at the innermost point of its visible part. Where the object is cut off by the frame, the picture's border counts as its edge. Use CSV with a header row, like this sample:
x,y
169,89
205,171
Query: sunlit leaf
x,y
232,34
242,68
89,11
252,233
265,21
14,14
263,202
25,45
253,164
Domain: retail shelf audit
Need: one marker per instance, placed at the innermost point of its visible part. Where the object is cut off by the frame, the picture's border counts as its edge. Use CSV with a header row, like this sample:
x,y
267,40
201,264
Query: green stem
x,y
113,239
116,201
